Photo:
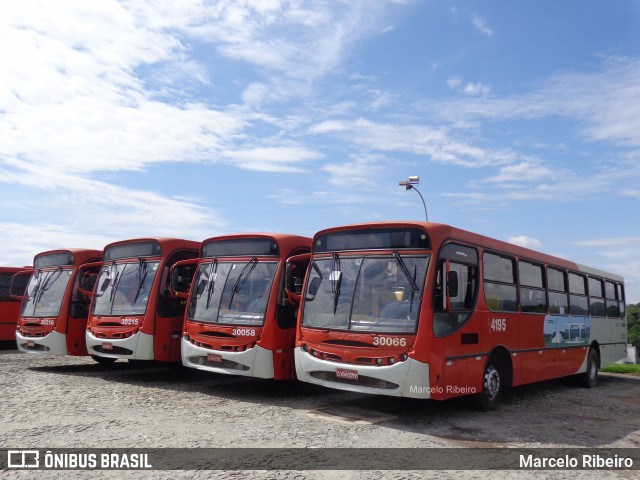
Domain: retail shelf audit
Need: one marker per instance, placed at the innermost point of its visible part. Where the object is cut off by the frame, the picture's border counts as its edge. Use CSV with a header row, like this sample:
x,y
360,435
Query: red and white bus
x,y
240,320
13,281
53,317
425,310
133,316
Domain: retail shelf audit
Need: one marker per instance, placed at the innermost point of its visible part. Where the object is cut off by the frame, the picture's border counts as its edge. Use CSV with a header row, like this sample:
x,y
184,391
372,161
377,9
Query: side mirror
x,y
201,286
105,284
314,286
180,278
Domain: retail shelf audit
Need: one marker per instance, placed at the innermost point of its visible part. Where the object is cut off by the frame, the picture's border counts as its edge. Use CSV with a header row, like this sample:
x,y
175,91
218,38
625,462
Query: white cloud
x,y
471,89
437,143
481,25
272,159
604,102
528,242
526,171
358,171
613,242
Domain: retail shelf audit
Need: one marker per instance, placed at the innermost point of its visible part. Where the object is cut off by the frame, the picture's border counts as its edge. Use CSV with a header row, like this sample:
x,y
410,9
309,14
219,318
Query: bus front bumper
x,y
253,362
409,378
54,343
138,346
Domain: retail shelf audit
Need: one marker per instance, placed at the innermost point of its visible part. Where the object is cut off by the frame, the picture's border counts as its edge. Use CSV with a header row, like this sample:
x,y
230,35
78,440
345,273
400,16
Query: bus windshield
x,y
234,293
124,288
44,293
366,293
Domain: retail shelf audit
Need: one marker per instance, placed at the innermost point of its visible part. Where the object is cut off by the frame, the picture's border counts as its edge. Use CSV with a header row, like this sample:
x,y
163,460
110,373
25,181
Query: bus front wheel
x,y
492,386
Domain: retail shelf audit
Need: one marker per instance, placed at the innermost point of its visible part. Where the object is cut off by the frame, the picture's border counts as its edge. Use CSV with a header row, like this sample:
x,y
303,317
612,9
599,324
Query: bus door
x,y
79,308
170,310
455,295
287,314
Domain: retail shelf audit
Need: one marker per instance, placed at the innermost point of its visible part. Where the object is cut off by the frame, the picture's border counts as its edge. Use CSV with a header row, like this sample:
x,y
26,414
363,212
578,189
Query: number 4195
x,y
498,324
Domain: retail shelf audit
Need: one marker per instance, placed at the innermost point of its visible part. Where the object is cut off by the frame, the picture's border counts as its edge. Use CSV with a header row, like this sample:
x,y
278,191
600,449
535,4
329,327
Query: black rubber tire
x,y
492,386
589,379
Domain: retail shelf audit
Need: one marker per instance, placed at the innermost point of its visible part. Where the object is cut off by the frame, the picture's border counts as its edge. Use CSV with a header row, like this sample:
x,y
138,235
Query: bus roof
x,y
79,256
286,241
441,232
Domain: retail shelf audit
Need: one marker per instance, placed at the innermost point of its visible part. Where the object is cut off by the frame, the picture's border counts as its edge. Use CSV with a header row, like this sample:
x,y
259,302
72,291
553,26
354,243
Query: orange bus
x,y
239,319
133,316
13,281
53,316
426,310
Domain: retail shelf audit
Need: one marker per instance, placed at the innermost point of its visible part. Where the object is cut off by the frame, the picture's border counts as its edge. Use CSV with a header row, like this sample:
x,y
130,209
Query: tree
x,y
633,324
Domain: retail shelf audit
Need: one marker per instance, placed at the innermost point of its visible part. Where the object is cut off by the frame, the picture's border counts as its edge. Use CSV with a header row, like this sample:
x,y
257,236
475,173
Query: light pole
x,y
411,184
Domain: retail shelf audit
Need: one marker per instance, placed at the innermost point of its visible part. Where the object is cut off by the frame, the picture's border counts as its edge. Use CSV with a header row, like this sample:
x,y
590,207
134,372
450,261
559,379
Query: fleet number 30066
x,y
390,341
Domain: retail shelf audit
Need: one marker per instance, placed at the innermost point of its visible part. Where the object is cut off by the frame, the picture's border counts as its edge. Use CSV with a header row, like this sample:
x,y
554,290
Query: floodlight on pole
x,y
411,184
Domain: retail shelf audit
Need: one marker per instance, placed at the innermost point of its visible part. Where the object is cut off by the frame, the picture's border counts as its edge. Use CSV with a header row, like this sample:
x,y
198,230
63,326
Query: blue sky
x,y
121,119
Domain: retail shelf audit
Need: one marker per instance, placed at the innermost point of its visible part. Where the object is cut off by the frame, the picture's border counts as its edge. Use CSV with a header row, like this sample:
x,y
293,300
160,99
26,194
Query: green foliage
x,y
623,368
633,324
633,315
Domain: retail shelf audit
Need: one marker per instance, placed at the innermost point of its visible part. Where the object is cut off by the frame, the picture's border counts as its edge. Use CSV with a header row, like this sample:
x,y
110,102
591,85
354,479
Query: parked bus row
x,y
408,309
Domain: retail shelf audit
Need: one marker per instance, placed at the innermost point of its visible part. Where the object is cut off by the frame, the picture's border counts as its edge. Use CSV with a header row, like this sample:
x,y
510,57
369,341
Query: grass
x,y
623,368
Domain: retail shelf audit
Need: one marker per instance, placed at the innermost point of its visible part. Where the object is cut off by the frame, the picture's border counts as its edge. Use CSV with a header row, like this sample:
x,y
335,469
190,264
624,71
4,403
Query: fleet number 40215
x,y
498,324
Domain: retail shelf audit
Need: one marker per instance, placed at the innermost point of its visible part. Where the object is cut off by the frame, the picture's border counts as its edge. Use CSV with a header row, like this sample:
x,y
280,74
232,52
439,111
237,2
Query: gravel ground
x,y
68,402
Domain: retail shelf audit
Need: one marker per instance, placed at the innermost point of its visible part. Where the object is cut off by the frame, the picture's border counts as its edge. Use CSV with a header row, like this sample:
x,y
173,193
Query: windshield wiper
x,y
335,276
142,275
46,284
213,273
407,274
116,281
240,281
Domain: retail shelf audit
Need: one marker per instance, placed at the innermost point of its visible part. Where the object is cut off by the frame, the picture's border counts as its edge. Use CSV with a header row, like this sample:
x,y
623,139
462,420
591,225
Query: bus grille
x,y
362,381
36,347
115,350
200,360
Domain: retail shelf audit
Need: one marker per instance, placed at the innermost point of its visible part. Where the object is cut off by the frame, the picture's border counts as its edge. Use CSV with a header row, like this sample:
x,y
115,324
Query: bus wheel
x,y
589,379
100,359
492,386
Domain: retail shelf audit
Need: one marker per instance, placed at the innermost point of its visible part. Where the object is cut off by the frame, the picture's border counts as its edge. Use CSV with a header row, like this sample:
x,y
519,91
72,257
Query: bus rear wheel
x,y
492,386
589,379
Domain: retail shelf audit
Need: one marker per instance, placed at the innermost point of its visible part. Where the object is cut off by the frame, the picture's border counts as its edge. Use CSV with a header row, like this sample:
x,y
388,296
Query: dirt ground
x,y
61,402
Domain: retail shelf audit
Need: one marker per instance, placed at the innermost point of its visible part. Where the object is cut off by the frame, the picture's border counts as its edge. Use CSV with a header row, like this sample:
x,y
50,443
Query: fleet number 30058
x,y
390,341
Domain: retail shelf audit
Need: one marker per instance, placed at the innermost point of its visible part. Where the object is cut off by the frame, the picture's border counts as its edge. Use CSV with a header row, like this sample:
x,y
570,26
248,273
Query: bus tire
x,y
103,360
493,382
589,379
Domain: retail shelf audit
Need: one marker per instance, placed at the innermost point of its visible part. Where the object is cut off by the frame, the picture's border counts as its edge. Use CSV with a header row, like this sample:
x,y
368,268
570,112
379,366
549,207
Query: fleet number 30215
x,y
498,324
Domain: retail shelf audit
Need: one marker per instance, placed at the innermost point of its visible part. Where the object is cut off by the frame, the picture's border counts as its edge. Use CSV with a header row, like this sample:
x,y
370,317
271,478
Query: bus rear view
x,y
239,320
53,317
132,314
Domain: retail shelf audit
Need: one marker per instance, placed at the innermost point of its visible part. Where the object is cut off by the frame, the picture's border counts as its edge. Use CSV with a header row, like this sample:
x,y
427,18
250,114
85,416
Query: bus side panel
x,y
166,340
455,378
9,312
76,343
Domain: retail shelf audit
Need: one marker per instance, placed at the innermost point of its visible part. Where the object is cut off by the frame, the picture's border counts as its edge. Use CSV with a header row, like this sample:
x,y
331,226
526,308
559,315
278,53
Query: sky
x,y
191,119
